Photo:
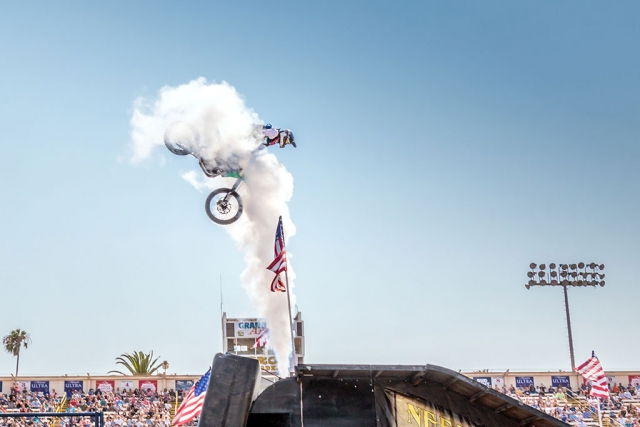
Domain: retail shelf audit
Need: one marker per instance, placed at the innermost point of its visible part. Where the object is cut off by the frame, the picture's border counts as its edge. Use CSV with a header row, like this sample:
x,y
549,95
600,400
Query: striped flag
x,y
279,264
261,341
191,406
591,370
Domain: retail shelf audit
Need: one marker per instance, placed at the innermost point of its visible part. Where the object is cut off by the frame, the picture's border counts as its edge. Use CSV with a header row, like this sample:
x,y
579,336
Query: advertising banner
x,y
634,380
24,385
412,412
560,381
105,385
40,387
184,385
267,363
249,328
149,385
71,386
0,386
611,381
524,382
483,380
127,384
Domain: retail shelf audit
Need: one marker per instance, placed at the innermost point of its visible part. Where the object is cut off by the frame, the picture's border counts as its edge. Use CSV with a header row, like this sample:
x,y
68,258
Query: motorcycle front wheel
x,y
223,206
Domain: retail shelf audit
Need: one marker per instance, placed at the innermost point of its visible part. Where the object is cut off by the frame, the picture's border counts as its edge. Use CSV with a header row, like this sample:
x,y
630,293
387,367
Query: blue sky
x,y
443,146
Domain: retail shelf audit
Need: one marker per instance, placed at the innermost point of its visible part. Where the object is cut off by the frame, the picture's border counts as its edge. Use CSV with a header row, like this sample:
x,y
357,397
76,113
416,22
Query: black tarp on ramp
x,y
388,396
233,386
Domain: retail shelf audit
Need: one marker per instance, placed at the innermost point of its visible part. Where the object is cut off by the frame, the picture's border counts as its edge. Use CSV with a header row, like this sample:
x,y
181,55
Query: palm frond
x,y
139,363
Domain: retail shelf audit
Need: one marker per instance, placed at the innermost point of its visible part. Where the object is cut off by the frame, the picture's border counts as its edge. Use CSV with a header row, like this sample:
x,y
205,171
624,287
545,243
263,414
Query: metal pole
x,y
293,342
566,306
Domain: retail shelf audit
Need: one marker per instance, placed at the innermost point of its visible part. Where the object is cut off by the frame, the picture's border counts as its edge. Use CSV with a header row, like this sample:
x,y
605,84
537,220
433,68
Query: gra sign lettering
x,y
250,327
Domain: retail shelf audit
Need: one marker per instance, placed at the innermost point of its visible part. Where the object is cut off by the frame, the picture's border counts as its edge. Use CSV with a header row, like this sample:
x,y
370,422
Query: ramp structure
x,y
388,396
233,386
359,396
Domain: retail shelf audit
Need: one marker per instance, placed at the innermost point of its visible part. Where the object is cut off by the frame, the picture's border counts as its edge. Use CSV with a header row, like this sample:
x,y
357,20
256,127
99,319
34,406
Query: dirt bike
x,y
223,205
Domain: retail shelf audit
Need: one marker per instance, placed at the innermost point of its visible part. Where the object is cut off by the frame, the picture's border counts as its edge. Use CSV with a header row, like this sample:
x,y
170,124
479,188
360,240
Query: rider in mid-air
x,y
223,205
280,136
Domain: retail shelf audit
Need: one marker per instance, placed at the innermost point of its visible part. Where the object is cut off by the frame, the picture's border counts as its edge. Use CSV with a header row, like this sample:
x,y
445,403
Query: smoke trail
x,y
226,128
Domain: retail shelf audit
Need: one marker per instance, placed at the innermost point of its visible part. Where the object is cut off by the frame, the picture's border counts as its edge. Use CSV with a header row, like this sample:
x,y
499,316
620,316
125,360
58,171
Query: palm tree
x,y
138,363
165,366
14,342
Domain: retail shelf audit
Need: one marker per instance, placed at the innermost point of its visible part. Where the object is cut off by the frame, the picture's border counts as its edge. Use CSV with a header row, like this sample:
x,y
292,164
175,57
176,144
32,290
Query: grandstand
x,y
559,394
151,401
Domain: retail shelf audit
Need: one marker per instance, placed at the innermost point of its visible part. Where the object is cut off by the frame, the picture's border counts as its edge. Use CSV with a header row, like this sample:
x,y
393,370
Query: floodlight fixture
x,y
575,275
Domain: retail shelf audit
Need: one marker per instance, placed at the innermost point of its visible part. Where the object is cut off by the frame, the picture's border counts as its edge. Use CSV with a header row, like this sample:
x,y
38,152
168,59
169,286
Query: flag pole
x,y
293,342
286,278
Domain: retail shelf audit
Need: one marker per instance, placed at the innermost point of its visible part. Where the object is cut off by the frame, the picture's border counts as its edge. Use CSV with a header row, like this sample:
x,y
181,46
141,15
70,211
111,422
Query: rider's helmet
x,y
268,126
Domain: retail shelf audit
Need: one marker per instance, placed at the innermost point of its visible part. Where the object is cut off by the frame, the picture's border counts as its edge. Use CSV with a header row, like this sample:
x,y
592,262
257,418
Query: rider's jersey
x,y
271,133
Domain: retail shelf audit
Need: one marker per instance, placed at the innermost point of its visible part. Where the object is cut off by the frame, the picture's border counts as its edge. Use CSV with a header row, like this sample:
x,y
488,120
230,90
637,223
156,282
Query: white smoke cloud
x,y
226,127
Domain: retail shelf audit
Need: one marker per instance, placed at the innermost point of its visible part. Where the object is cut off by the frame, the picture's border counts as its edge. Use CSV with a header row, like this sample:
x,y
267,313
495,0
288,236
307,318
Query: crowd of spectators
x,y
146,408
578,407
126,408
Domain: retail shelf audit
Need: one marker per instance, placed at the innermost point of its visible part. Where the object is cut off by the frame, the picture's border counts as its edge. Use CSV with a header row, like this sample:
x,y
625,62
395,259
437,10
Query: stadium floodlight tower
x,y
565,275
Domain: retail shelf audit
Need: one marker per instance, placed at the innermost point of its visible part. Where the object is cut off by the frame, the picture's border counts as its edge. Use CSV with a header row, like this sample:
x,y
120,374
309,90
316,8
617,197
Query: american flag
x,y
261,341
279,263
591,370
192,404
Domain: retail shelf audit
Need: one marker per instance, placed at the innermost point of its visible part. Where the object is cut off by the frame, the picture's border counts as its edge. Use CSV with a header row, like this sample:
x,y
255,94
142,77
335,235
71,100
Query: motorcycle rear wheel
x,y
221,211
177,148
181,138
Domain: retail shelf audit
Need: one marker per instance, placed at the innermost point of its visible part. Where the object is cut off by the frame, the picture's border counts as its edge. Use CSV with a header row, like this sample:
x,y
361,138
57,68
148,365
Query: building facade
x,y
239,336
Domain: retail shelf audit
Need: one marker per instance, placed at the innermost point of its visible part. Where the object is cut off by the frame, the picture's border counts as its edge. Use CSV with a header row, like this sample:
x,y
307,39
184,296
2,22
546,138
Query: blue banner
x,y
40,387
71,386
560,380
0,386
483,380
183,385
524,382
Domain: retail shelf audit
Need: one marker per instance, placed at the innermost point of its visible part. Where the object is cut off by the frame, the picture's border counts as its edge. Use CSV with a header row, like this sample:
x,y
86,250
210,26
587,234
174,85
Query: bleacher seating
x,y
130,408
577,408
